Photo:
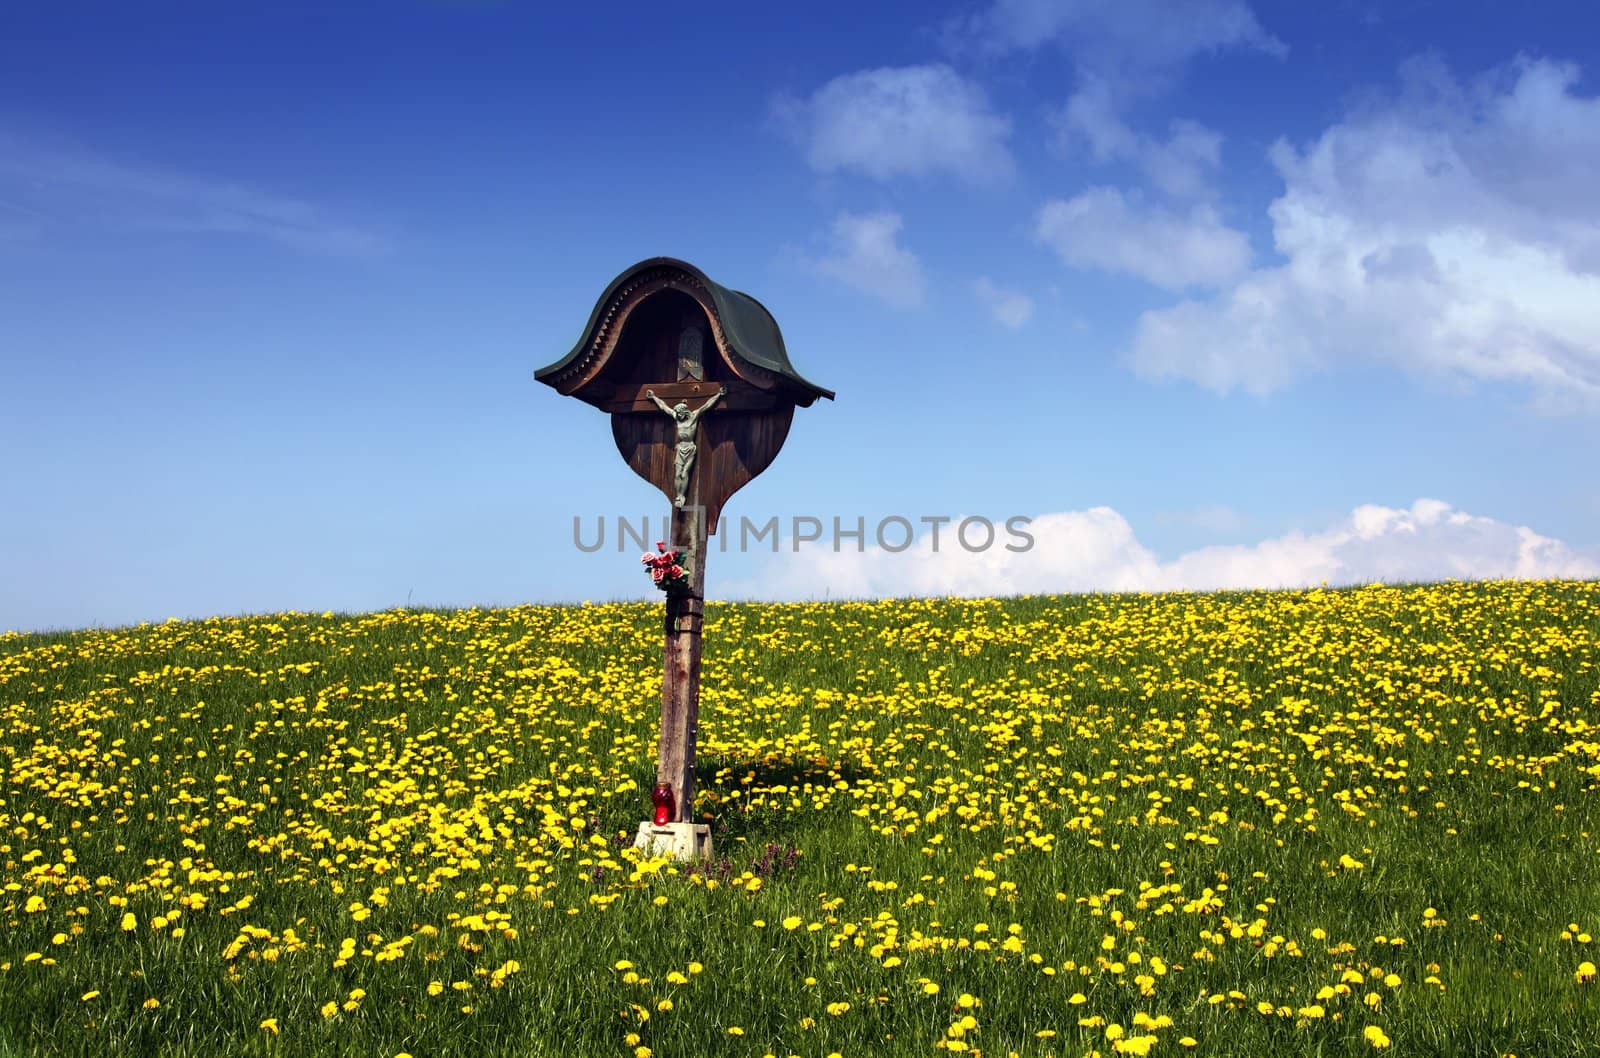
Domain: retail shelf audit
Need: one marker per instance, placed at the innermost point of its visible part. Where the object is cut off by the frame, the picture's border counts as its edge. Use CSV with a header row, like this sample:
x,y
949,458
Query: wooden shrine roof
x,y
751,333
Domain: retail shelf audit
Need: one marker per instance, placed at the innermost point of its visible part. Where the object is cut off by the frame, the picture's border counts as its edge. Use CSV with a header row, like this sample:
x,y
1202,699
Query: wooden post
x,y
680,675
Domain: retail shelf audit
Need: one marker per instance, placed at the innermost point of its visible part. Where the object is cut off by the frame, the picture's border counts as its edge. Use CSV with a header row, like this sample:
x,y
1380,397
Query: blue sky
x,y
1216,293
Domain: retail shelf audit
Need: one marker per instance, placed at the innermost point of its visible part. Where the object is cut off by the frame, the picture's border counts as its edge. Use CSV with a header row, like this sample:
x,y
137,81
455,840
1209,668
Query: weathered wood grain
x,y
733,447
680,676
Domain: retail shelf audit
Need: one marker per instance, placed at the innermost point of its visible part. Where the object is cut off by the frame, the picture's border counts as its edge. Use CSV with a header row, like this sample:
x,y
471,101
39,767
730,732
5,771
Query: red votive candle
x,y
661,797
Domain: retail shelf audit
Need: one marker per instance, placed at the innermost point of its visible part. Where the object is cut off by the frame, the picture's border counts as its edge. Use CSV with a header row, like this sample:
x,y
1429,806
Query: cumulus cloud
x,y
1105,229
1182,165
1121,39
1008,307
865,253
1097,550
1452,230
899,121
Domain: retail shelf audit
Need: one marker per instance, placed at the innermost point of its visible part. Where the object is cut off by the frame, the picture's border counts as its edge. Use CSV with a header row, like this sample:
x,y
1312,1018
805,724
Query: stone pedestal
x,y
681,841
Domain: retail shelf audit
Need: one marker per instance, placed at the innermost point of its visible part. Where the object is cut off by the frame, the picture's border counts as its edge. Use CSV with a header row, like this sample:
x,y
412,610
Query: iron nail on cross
x,y
665,338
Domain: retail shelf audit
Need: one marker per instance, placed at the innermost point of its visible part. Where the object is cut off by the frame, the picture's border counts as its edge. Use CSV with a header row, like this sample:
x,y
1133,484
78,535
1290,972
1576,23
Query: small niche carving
x,y
691,355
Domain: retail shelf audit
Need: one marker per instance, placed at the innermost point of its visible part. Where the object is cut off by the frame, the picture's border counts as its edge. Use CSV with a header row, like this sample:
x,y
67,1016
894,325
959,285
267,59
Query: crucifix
x,y
686,421
663,336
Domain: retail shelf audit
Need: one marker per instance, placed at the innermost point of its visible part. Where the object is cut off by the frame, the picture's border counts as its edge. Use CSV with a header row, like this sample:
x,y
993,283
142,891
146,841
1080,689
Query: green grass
x,y
920,780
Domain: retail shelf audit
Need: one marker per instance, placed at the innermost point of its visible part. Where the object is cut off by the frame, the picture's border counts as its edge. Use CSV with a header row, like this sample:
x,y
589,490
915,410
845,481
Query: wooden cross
x,y
701,394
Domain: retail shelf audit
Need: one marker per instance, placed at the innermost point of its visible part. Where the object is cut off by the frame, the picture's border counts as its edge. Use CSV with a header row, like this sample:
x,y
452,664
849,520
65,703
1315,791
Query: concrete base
x,y
681,841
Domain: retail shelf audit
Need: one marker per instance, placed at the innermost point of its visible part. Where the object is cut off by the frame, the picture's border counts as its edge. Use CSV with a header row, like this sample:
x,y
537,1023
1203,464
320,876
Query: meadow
x,y
1327,822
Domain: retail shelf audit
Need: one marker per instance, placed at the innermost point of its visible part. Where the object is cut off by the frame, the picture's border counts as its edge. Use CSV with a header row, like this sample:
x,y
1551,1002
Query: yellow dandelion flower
x,y
130,922
1375,1036
269,1025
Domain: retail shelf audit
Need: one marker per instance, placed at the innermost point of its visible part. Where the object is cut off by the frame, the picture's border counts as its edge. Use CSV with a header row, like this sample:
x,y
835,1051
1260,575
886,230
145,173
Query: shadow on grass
x,y
733,818
754,837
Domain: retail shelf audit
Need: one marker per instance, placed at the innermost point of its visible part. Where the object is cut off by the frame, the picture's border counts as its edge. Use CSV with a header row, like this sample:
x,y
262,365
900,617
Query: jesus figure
x,y
686,421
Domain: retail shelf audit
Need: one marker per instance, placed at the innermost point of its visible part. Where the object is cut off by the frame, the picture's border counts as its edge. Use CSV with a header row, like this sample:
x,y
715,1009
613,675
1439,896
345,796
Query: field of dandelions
x,y
1331,822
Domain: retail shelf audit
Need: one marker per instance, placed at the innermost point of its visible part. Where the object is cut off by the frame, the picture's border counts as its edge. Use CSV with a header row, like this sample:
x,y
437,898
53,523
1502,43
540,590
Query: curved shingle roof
x,y
751,330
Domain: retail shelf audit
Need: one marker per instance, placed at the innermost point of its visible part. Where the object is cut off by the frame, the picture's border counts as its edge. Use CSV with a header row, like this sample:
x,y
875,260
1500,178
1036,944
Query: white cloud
x,y
866,254
1451,231
1009,307
1102,228
1124,39
61,188
894,121
1182,165
1097,550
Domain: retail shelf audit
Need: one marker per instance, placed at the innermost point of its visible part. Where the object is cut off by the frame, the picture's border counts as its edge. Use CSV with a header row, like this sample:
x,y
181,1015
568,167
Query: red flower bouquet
x,y
664,569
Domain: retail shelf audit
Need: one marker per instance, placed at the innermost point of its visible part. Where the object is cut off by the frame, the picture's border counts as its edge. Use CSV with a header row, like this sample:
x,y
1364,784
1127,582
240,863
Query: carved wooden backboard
x,y
734,447
664,337
662,350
